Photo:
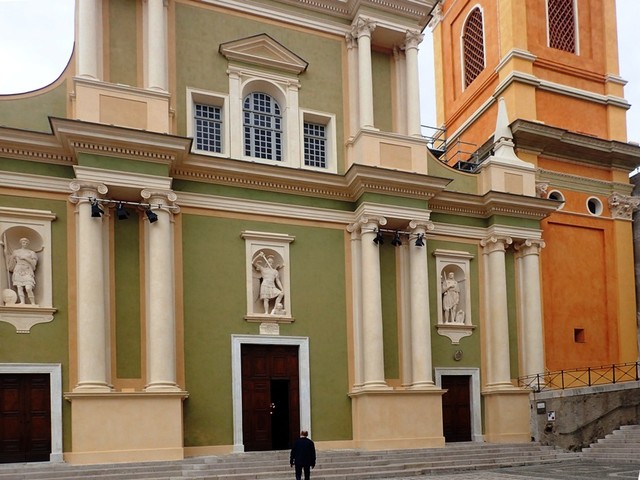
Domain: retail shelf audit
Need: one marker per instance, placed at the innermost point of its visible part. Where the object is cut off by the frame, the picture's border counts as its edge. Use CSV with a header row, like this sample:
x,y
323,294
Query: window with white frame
x,y
208,123
315,145
262,122
208,127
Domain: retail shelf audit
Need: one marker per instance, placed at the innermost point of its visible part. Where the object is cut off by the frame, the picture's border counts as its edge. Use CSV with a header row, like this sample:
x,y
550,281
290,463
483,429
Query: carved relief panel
x,y
267,273
25,269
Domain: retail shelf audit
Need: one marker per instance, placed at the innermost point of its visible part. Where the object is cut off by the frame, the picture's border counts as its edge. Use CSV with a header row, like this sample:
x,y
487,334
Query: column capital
x,y
163,199
363,27
352,40
424,225
83,191
495,243
622,206
530,246
413,38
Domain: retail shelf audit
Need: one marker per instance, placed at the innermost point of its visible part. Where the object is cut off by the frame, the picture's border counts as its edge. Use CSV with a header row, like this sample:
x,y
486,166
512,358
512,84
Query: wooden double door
x,y
25,418
270,396
456,408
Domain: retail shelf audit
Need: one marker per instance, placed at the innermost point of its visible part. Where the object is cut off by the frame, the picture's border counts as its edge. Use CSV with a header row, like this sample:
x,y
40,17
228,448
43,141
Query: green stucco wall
x,y
215,306
442,348
382,101
47,342
200,65
33,112
389,310
123,59
127,295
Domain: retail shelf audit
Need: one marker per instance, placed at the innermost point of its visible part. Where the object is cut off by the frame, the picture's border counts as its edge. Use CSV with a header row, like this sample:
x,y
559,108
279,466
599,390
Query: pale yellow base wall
x,y
397,419
506,416
109,428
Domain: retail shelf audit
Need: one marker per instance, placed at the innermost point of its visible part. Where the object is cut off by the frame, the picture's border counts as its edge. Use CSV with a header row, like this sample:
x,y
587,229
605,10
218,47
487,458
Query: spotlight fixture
x,y
396,239
96,211
121,212
420,240
151,216
378,240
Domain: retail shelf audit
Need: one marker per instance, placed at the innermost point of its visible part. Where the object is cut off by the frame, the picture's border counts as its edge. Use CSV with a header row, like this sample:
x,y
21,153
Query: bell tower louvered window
x,y
473,46
562,25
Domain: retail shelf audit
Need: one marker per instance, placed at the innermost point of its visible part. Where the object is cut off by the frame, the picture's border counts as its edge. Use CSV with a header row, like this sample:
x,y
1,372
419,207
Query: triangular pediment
x,y
264,51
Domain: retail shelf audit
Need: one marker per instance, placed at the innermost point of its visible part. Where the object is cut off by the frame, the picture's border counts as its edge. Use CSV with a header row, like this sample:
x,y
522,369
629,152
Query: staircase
x,y
332,465
623,446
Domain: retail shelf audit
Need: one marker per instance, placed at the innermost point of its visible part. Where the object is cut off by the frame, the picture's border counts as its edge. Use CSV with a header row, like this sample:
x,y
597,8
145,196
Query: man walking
x,y
303,456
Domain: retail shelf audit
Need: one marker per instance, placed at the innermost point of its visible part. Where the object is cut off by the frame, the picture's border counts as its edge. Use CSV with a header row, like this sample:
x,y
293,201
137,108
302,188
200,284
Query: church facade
x,y
223,224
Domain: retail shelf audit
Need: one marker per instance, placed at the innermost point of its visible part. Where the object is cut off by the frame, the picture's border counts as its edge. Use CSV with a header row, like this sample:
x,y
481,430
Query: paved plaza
x,y
579,470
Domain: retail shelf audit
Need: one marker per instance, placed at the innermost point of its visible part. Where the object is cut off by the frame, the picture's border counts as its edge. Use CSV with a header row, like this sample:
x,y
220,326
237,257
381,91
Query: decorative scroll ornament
x,y
623,206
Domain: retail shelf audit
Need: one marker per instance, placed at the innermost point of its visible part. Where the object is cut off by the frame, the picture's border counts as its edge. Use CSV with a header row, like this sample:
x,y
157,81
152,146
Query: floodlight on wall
x,y
121,212
96,211
153,218
397,237
396,240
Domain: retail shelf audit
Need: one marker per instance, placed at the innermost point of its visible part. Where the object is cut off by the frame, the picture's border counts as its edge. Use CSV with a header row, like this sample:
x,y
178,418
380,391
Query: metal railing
x,y
582,377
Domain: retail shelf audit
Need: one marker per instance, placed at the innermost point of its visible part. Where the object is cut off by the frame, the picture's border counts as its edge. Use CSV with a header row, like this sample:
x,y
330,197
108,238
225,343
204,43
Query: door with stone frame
x,y
270,396
456,408
25,417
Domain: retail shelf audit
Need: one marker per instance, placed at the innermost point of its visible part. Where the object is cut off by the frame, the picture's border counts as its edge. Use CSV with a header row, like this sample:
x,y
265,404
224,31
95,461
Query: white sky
x,y
36,41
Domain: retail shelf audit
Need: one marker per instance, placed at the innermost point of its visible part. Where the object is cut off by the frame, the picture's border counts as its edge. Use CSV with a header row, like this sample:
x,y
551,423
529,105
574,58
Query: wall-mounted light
x,y
96,211
396,240
153,218
121,212
397,237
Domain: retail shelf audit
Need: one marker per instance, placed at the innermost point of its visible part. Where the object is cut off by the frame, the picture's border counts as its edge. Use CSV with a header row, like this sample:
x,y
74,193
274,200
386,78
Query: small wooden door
x,y
25,418
270,396
456,408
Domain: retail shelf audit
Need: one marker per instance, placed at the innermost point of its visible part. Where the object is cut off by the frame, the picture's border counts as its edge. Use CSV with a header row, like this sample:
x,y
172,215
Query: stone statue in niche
x,y
271,288
451,313
21,270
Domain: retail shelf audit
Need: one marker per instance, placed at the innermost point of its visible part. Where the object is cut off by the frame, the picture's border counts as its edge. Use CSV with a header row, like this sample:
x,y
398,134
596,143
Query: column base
x,y
507,415
124,427
386,419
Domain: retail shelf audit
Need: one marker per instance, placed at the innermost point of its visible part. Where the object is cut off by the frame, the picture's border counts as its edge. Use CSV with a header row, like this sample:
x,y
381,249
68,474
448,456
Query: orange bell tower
x,y
555,63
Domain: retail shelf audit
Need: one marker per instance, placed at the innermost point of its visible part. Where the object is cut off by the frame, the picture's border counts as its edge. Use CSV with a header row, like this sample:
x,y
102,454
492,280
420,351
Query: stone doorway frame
x,y
236,379
475,406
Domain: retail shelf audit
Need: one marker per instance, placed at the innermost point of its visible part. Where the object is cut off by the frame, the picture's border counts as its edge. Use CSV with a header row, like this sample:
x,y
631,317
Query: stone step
x,y
332,465
623,445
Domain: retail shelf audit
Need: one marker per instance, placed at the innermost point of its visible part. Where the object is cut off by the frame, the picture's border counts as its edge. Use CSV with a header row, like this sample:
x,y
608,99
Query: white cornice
x,y
27,181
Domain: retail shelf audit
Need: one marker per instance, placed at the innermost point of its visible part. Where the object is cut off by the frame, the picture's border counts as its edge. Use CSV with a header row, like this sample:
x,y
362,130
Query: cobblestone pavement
x,y
564,471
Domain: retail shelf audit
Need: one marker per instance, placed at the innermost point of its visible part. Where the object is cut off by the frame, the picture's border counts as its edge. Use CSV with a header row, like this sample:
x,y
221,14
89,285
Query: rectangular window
x,y
208,131
315,145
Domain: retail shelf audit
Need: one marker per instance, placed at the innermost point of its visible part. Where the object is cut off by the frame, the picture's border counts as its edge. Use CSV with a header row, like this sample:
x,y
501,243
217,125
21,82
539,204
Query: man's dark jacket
x,y
303,453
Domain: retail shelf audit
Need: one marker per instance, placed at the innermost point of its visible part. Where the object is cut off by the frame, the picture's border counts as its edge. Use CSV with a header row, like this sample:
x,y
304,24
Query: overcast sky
x,y
36,41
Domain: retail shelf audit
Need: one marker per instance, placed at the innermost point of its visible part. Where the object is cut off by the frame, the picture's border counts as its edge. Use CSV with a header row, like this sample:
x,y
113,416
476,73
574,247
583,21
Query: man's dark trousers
x,y
307,472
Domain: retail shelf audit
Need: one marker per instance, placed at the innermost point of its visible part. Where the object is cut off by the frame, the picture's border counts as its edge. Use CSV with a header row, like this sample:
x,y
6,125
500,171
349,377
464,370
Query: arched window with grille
x,y
561,20
262,127
473,46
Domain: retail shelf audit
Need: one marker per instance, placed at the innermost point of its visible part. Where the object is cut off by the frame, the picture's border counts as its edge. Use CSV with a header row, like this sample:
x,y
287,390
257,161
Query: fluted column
x,y
363,29
532,341
92,326
156,41
372,338
421,362
413,39
160,304
497,321
89,27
